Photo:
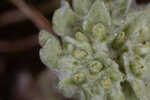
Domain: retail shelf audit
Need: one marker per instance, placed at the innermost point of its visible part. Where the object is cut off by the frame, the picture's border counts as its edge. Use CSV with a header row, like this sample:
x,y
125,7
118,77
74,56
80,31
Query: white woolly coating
x,y
105,48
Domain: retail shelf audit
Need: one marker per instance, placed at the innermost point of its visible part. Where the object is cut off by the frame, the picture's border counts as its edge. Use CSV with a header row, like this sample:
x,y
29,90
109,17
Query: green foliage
x,y
105,53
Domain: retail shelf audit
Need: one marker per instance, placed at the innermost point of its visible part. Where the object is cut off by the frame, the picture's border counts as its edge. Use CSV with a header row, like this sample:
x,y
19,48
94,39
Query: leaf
x,y
43,37
141,91
67,88
138,22
64,20
50,52
97,14
116,93
82,7
120,8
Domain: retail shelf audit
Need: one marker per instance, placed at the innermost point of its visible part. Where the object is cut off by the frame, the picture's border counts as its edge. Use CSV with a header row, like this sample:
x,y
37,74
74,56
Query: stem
x,y
33,14
19,45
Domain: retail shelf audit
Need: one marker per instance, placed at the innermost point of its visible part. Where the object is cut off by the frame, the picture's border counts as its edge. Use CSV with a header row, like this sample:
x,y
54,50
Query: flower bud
x,y
137,67
119,40
79,54
99,31
95,67
79,78
80,36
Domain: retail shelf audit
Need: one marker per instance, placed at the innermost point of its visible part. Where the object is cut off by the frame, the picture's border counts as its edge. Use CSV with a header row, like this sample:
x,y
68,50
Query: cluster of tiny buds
x,y
94,68
105,50
79,54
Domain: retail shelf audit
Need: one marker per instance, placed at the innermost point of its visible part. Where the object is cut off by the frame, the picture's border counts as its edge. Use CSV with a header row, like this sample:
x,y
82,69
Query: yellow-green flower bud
x,y
79,78
107,83
80,53
119,40
95,67
137,67
80,36
99,31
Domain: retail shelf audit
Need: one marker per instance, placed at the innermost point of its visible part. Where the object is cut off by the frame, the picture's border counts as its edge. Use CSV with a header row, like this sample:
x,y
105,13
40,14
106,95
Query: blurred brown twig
x,y
15,15
36,17
11,17
33,14
19,45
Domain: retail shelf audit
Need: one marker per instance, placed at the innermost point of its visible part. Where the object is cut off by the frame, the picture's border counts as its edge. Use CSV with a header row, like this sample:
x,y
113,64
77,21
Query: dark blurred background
x,y
22,75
